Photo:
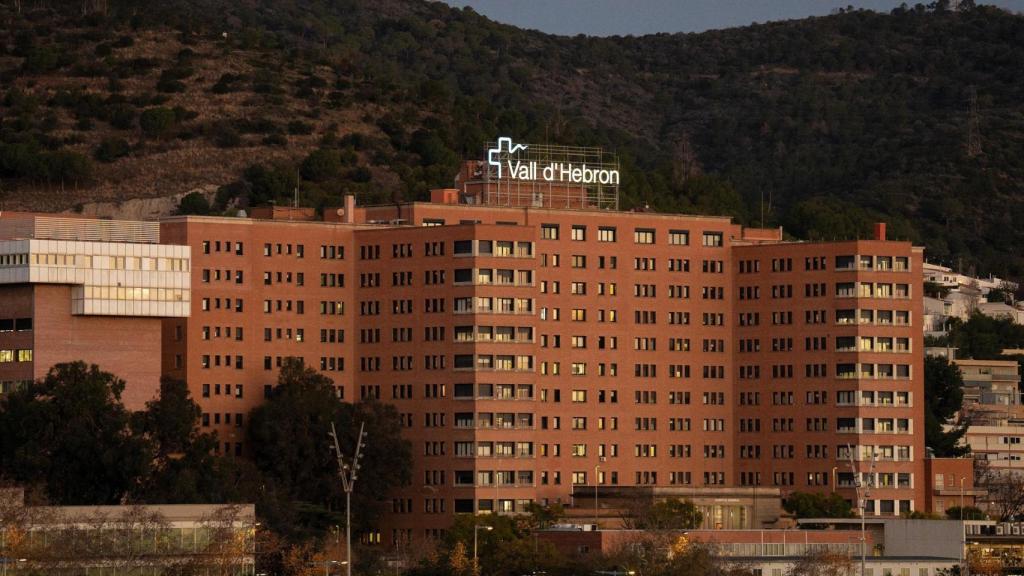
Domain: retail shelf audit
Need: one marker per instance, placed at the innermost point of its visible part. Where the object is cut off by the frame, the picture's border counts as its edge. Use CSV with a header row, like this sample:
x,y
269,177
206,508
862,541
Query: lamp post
x,y
597,467
834,469
963,532
476,532
863,493
348,474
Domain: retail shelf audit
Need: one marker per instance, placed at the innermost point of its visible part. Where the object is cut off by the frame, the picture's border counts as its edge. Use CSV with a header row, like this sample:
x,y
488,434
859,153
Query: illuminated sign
x,y
512,162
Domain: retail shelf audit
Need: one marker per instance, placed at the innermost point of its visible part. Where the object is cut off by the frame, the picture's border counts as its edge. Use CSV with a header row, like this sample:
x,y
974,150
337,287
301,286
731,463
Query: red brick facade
x,y
126,346
531,350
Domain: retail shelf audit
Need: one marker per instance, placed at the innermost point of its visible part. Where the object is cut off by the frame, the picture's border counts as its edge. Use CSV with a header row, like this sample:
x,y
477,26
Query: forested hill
x,y
834,122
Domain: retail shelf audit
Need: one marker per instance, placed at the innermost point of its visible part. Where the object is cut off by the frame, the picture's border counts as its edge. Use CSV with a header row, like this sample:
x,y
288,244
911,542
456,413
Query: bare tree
x,y
225,539
685,164
79,537
1005,490
821,563
16,522
665,553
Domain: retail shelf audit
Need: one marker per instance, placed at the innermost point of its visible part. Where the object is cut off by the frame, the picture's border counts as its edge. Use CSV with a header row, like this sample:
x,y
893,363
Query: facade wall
x,y
16,335
91,290
826,359
943,476
125,346
249,309
1000,445
532,352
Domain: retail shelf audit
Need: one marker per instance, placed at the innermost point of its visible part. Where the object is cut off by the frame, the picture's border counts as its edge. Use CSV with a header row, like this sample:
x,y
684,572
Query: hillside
x,y
828,123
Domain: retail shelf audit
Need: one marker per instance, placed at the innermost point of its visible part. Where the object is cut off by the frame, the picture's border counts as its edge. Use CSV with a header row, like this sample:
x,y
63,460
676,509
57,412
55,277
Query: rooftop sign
x,y
554,164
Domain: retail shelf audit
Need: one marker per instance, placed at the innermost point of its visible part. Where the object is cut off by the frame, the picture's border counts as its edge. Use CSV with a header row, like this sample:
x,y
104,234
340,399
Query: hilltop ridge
x,y
914,117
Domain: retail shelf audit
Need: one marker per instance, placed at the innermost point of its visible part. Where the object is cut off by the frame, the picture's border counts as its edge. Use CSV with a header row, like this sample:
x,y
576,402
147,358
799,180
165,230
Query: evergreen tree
x,y
69,436
943,397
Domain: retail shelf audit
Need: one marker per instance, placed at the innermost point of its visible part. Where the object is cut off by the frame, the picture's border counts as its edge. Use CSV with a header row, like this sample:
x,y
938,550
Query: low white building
x,y
959,296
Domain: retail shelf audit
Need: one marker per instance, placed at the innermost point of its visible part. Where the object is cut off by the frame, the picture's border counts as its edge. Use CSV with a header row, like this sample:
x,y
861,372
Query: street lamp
x,y
834,469
348,475
963,532
476,532
597,467
863,493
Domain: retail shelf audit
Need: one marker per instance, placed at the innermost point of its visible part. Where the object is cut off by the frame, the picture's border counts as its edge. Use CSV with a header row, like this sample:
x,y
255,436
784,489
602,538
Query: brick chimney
x,y
350,209
879,230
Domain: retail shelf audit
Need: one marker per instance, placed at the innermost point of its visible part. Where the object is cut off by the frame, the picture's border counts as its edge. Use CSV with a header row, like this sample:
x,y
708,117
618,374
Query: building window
x,y
712,239
606,234
643,236
679,237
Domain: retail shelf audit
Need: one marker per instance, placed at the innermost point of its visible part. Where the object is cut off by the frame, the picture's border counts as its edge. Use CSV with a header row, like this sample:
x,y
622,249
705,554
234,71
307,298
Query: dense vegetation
x,y
833,122
68,440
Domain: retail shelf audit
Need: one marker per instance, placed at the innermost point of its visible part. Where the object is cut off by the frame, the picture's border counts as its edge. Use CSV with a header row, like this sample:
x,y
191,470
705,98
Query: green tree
x,y
541,516
185,468
322,165
996,295
984,337
288,434
669,514
817,505
111,149
943,397
194,203
69,435
969,513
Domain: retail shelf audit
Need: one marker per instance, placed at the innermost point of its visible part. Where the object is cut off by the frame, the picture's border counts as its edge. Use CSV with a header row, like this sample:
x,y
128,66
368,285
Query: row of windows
x,y
101,262
234,390
15,324
15,355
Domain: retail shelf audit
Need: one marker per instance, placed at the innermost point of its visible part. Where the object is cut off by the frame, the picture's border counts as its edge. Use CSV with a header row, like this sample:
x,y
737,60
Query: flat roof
x,y
1004,363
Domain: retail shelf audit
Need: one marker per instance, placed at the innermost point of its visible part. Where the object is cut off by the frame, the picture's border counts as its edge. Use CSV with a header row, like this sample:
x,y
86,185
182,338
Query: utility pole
x,y
348,475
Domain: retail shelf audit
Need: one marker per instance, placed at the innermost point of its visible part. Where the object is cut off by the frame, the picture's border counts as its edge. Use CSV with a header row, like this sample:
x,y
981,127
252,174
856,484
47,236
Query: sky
x,y
624,17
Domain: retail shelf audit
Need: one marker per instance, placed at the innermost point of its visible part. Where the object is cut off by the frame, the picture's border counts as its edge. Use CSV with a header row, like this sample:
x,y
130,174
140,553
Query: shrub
x,y
157,122
225,136
169,85
122,116
275,140
299,128
41,59
111,149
